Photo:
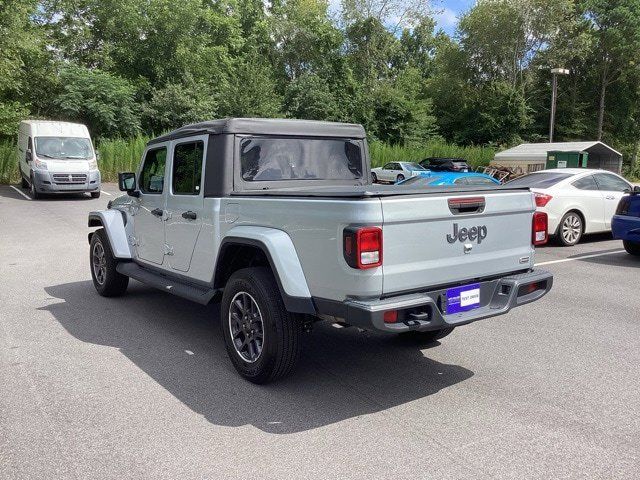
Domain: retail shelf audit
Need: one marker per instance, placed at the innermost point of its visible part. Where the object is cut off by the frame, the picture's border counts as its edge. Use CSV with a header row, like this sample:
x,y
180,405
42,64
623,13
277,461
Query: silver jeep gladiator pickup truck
x,y
279,221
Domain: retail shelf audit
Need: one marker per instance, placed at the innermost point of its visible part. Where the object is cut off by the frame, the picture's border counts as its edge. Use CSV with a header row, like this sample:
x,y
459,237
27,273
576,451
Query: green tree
x,y
309,97
104,102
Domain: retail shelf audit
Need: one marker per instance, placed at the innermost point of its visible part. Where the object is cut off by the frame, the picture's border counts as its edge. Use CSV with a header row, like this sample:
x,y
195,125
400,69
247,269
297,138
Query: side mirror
x,y
636,190
97,155
28,155
127,183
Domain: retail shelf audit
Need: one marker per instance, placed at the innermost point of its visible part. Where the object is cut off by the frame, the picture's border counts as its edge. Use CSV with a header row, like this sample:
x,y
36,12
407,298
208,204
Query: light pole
x,y
554,93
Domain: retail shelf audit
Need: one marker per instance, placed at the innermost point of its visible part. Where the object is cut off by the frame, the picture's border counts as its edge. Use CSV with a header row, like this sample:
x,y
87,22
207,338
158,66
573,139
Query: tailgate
x,y
437,240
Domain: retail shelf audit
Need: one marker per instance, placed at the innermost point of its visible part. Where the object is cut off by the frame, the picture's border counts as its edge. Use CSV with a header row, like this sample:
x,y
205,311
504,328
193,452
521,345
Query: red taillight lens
x,y
390,316
542,199
623,206
539,230
363,247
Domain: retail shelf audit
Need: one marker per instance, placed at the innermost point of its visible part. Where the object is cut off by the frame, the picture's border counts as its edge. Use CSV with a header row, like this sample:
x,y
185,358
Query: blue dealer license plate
x,y
463,299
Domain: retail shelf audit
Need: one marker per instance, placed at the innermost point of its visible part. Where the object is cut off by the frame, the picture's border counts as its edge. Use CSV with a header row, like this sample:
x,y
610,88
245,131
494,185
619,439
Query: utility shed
x,y
531,157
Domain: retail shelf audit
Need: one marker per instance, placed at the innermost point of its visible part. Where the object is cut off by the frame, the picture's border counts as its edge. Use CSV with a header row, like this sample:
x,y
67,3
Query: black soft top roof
x,y
266,126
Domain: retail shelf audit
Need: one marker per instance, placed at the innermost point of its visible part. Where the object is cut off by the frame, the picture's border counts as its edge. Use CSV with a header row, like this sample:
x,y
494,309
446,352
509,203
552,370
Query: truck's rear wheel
x,y
428,337
107,280
262,338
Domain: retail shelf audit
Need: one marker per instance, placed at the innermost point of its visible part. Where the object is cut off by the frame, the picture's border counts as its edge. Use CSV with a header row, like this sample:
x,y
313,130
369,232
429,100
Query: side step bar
x,y
201,295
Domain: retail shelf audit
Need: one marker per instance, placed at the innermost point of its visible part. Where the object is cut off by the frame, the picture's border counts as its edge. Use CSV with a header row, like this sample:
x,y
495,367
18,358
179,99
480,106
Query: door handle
x,y
157,212
190,215
610,197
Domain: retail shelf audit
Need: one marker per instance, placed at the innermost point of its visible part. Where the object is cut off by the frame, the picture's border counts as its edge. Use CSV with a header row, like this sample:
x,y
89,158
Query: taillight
x,y
539,229
623,206
362,247
542,199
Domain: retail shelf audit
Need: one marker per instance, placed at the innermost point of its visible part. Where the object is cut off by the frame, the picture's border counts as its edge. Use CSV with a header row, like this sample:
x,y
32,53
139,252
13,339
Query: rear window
x,y
276,159
539,180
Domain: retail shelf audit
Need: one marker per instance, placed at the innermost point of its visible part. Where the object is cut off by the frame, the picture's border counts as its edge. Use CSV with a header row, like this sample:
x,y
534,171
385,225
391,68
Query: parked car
x,y
576,200
429,178
625,224
394,172
442,164
57,157
278,218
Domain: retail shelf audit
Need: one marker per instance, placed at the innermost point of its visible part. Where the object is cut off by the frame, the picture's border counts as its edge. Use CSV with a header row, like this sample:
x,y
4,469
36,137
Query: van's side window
x,y
30,145
187,168
152,173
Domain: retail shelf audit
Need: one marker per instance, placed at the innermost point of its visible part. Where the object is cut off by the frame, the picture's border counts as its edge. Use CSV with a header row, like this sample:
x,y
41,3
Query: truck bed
x,y
372,191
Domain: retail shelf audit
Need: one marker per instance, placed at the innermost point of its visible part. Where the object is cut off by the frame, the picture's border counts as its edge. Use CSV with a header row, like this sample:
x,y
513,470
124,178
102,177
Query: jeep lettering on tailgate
x,y
463,234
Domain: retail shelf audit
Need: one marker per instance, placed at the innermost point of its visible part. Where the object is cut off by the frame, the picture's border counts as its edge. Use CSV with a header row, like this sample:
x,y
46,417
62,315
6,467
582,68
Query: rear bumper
x,y
45,182
626,228
427,311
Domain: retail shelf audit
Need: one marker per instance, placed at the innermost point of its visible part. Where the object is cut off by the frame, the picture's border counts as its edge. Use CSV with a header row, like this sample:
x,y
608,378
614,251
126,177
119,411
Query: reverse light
x,y
362,247
539,234
40,164
542,199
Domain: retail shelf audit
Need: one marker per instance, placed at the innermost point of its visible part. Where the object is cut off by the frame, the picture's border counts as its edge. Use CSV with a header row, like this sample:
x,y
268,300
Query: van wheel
x,y
95,194
262,338
33,193
428,337
106,279
632,248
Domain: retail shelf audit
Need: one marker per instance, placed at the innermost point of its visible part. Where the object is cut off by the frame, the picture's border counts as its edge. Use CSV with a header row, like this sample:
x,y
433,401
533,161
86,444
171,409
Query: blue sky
x,y
448,11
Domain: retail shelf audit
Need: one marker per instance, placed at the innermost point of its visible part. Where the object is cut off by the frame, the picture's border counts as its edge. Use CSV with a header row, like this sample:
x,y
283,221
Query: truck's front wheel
x,y
262,338
107,280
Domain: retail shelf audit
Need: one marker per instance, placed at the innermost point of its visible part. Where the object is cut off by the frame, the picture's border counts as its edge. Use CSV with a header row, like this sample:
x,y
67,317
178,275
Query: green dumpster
x,y
557,159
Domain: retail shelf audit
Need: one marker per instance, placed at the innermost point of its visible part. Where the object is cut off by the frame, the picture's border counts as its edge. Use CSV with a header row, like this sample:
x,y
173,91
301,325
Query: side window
x,y
152,173
187,168
586,183
611,183
30,145
396,166
388,166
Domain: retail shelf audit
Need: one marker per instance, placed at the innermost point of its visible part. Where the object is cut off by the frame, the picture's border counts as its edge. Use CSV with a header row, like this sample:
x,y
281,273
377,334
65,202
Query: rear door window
x,y
187,168
152,173
586,183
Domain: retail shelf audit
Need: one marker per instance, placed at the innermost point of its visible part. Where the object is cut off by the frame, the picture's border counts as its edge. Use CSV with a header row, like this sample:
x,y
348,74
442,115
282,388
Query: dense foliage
x,y
133,67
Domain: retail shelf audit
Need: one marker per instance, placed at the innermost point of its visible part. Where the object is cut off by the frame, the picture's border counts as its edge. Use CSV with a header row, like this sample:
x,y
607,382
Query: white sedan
x,y
576,200
394,172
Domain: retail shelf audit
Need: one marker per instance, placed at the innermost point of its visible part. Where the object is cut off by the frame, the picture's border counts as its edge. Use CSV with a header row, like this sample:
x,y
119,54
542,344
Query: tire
x,y
95,194
428,337
271,353
33,193
570,229
106,279
23,182
374,178
632,248
399,178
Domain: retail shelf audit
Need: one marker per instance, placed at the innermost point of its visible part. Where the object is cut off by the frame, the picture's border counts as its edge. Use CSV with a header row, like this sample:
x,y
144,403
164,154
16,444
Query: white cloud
x,y
446,19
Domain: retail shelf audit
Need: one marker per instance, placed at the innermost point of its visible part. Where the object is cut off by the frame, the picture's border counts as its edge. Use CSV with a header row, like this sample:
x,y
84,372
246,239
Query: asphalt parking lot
x,y
141,386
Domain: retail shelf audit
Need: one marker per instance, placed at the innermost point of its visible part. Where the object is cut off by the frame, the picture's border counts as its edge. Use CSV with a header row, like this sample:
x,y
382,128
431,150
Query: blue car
x,y
625,224
434,179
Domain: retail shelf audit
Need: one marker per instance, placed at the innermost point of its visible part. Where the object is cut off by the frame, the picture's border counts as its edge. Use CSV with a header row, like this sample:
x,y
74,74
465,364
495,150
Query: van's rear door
x,y
445,238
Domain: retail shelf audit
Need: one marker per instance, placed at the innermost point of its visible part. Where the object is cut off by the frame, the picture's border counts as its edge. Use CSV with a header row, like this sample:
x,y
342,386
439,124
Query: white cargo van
x,y
57,157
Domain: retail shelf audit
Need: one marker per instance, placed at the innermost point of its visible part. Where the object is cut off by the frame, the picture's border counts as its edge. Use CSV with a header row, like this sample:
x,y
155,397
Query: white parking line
x,y
21,192
106,193
580,257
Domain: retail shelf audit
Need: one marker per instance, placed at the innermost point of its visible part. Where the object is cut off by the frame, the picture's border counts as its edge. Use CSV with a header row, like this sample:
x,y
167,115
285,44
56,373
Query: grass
x,y
382,153
123,155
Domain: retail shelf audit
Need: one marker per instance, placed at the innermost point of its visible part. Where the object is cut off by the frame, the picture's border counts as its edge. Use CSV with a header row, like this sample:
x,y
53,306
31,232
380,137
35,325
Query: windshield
x,y
64,147
421,181
539,180
274,159
412,167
